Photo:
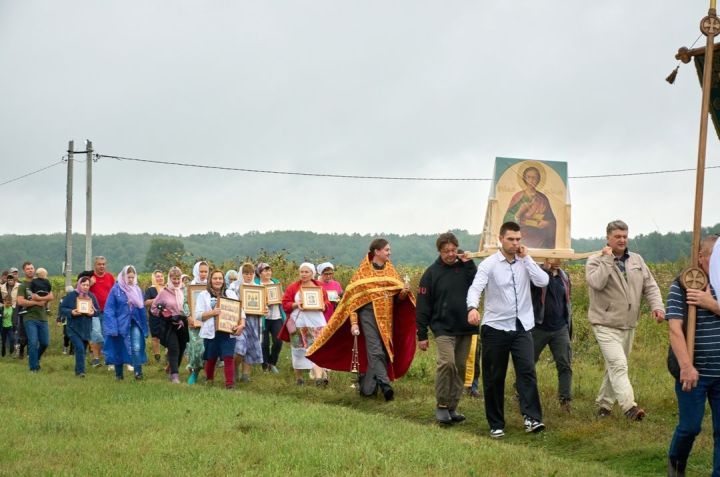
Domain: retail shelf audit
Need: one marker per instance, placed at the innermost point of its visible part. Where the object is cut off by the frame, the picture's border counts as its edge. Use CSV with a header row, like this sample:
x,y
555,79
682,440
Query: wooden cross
x,y
693,277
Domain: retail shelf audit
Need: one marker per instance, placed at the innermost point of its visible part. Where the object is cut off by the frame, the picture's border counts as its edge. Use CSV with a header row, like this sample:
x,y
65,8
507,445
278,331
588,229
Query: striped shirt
x,y
707,331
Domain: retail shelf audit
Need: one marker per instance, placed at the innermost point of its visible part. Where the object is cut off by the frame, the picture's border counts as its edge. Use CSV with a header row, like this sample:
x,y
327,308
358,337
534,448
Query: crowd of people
x,y
527,307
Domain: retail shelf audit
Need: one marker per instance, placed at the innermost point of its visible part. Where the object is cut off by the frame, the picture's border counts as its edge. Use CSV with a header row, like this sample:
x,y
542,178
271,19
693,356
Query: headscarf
x,y
133,292
260,267
715,267
82,279
228,274
177,291
321,268
210,290
196,273
308,265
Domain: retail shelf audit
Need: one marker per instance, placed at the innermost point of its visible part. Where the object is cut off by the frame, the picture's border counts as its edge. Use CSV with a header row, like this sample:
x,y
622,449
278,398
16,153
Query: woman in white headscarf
x,y
303,326
195,347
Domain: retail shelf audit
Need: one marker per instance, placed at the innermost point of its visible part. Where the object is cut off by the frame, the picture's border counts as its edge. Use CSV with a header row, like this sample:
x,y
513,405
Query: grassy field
x,y
56,424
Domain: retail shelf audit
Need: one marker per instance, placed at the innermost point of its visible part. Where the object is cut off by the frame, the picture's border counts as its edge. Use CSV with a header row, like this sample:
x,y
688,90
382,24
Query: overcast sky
x,y
393,88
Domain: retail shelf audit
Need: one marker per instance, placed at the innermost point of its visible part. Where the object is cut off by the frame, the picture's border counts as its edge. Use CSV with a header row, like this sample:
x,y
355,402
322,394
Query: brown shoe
x,y
635,413
604,412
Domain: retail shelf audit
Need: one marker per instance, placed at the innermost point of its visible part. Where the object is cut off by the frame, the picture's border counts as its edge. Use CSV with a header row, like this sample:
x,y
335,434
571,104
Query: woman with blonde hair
x,y
170,310
156,285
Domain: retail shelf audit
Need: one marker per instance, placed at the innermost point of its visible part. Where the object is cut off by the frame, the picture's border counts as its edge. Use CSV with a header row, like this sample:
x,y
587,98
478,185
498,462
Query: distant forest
x,y
345,249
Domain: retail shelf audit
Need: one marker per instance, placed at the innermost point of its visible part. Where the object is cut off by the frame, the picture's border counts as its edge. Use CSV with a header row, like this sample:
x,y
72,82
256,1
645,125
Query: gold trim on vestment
x,y
358,294
363,281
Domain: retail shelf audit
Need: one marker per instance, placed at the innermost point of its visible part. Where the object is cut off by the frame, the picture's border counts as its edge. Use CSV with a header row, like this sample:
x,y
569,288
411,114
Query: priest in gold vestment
x,y
379,309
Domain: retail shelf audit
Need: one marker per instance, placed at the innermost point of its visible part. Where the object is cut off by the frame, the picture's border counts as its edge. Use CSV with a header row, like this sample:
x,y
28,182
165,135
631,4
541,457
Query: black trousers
x,y
272,329
497,346
175,348
7,339
377,358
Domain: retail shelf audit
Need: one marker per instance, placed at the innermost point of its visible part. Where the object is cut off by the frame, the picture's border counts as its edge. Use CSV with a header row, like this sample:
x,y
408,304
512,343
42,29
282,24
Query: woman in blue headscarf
x,y
231,277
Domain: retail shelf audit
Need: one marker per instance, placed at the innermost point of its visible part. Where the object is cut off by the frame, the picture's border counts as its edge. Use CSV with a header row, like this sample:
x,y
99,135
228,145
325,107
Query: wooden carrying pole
x,y
710,26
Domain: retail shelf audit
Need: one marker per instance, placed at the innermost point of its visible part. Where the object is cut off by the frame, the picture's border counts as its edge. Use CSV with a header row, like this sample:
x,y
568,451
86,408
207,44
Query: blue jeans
x,y
38,336
96,335
691,409
137,345
79,346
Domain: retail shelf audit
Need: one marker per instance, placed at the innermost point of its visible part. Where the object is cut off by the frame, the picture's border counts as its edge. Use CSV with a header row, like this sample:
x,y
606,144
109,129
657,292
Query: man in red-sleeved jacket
x,y
100,284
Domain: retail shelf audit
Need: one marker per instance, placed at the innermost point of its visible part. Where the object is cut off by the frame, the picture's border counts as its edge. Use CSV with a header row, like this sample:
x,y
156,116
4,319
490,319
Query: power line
x,y
389,178
642,173
341,176
31,173
289,173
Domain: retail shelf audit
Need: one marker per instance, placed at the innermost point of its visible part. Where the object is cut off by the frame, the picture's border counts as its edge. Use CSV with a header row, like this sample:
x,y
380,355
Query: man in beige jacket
x,y
617,281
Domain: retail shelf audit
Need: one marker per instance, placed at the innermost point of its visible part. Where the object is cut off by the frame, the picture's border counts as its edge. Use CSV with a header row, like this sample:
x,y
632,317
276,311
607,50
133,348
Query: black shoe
x,y
442,416
676,468
456,416
138,377
388,393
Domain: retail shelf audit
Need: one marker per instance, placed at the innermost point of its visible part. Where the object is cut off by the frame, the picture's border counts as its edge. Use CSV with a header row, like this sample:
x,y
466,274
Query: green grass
x,y
56,424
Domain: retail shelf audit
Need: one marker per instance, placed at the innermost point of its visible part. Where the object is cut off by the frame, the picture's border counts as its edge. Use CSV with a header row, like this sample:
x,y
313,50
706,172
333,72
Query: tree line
x,y
147,251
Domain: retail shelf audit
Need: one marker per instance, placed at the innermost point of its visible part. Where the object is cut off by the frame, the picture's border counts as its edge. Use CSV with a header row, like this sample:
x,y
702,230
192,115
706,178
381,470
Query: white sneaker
x,y
130,368
531,425
111,367
497,433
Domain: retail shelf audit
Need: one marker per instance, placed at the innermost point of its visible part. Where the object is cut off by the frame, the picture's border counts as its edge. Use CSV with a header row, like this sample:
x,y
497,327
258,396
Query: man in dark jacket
x,y
441,306
553,325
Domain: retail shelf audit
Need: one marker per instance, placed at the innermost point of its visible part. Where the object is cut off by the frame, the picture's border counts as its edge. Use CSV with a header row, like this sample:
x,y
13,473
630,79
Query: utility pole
x,y
88,205
68,217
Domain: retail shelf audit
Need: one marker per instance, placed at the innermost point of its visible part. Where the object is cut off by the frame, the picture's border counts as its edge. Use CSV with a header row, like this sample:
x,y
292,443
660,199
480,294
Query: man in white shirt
x,y
507,320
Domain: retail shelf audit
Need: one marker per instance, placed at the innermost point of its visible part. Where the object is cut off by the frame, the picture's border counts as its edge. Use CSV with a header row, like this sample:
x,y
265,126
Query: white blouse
x,y
205,303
